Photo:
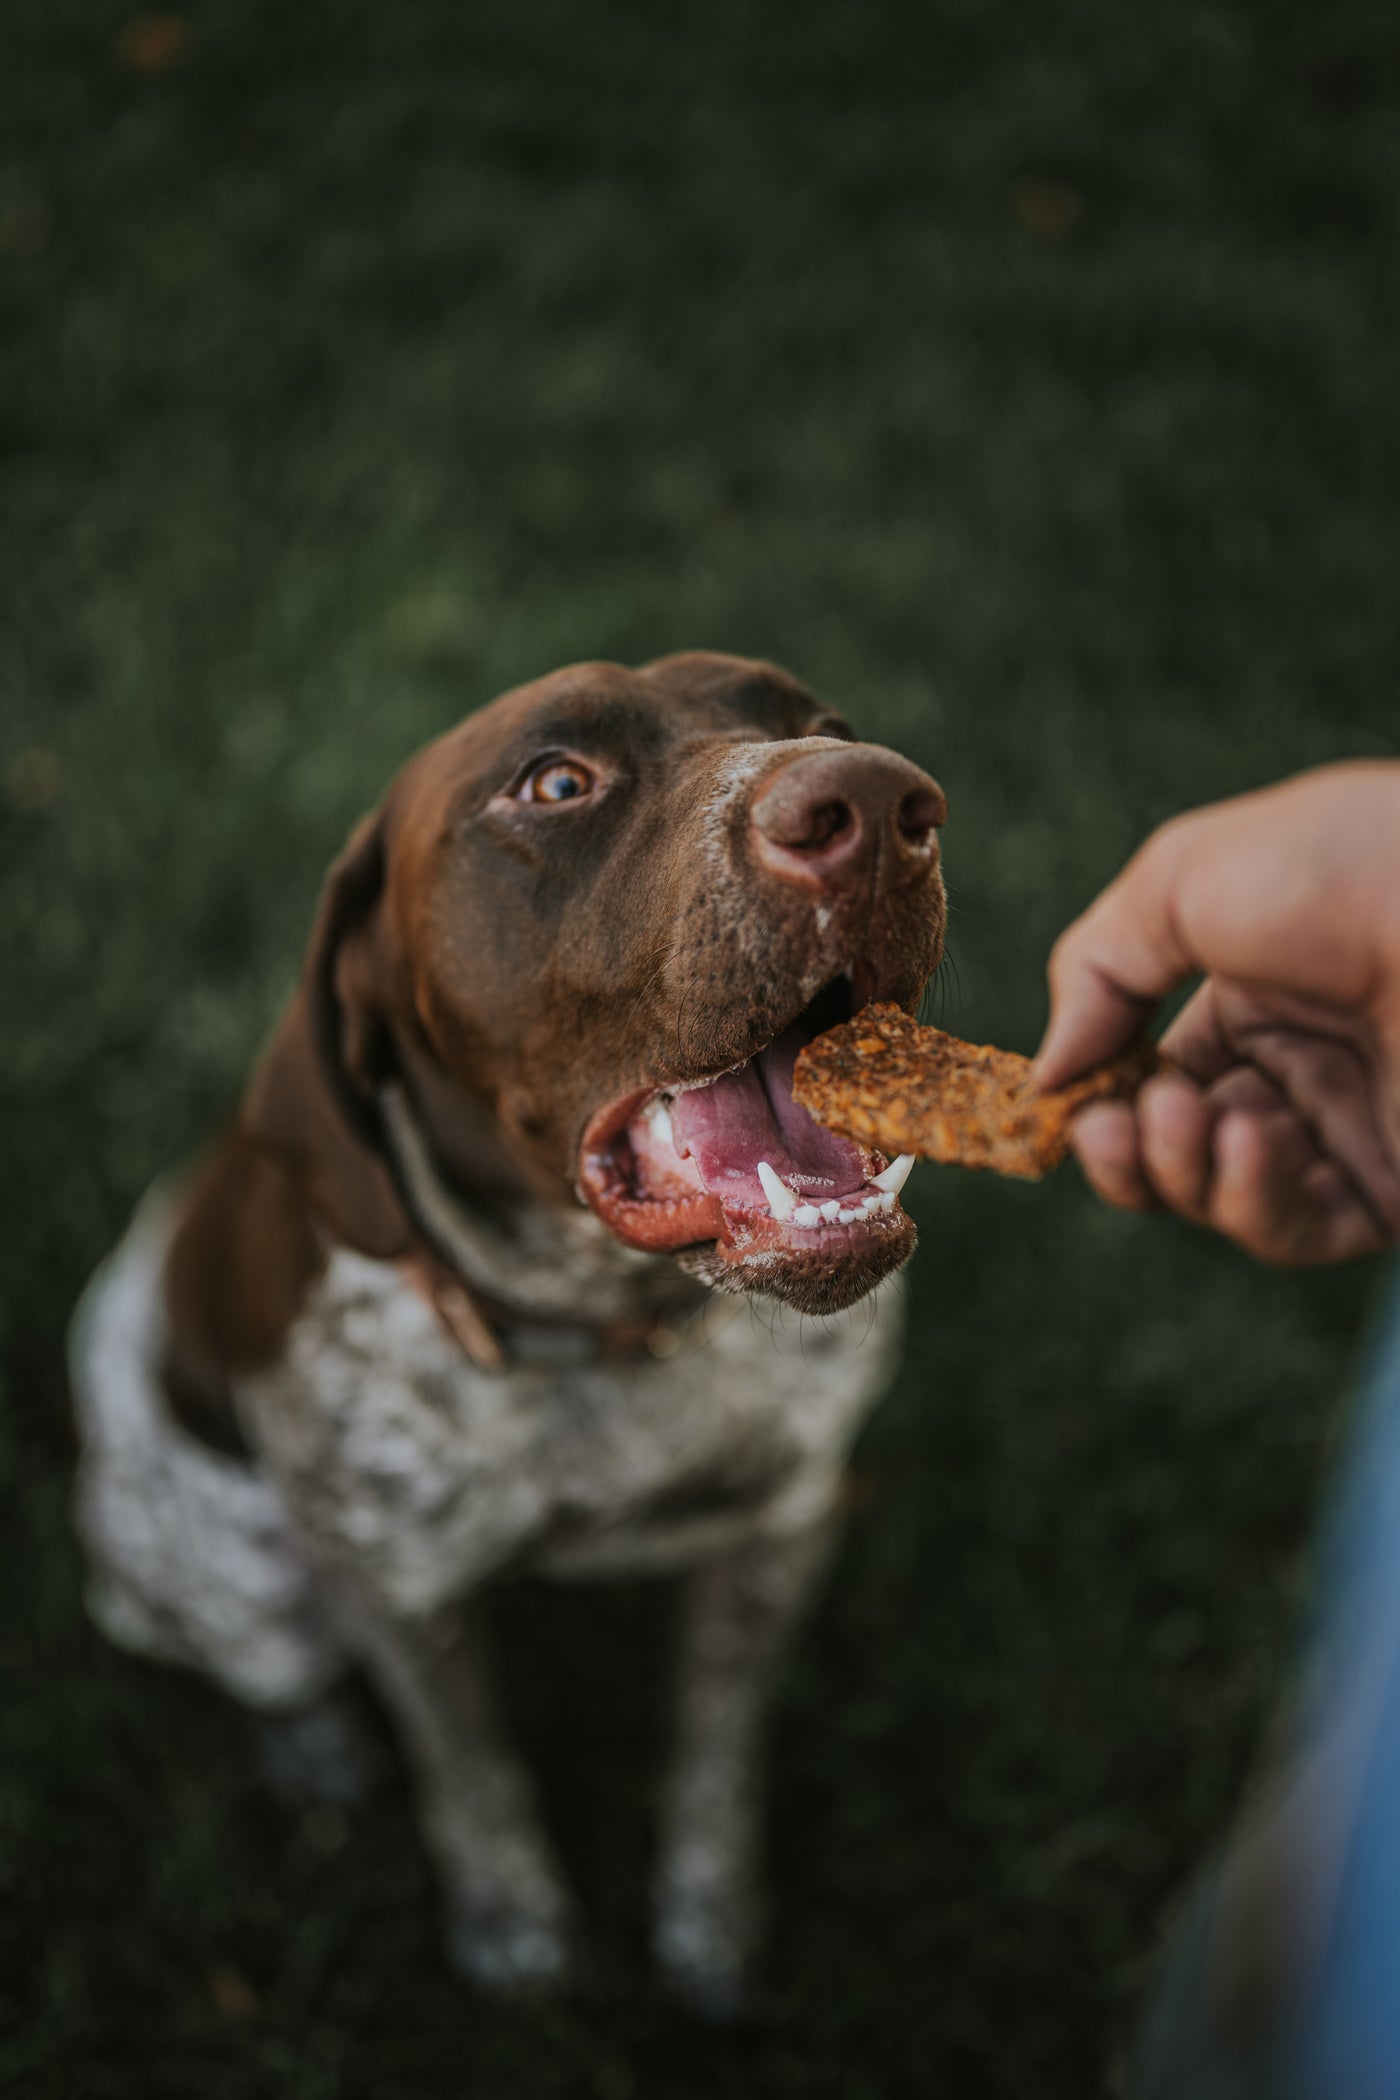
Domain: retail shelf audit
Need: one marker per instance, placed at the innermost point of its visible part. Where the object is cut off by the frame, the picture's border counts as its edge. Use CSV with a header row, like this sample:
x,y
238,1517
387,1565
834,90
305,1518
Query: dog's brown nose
x,y
827,818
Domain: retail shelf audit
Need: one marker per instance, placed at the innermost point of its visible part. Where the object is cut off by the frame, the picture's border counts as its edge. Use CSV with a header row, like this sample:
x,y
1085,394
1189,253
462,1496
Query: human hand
x,y
1279,1125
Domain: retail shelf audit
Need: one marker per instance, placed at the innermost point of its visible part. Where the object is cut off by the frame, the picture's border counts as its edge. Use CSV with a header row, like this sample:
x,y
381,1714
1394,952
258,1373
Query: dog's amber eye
x,y
557,780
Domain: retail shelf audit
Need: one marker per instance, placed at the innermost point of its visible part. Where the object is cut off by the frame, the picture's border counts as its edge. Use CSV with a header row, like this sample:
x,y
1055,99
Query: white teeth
x,y
793,1210
781,1200
659,1117
895,1174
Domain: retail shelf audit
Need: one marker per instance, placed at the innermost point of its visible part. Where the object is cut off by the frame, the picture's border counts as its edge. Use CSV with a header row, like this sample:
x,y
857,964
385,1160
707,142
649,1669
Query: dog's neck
x,y
535,1265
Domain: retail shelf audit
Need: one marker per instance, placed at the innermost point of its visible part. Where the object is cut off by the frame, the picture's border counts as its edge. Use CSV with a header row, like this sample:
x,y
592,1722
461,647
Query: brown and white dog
x,y
457,1296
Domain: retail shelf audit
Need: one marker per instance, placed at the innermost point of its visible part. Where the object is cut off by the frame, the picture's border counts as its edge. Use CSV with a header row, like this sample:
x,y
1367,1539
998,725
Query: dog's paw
x,y
704,1942
506,1946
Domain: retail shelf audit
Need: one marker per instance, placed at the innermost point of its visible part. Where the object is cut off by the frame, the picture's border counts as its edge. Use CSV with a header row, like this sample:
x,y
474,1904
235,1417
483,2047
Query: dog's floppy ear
x,y
313,1094
344,977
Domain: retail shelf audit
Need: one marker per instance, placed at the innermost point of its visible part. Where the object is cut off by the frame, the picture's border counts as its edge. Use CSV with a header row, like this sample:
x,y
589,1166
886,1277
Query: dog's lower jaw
x,y
808,1281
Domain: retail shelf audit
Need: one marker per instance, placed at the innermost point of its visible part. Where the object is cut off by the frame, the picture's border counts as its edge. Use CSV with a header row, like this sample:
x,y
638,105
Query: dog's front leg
x,y
709,1910
509,1919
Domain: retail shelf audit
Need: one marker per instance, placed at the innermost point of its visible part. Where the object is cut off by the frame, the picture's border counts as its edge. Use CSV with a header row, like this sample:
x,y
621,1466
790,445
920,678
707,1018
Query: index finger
x,y
1112,966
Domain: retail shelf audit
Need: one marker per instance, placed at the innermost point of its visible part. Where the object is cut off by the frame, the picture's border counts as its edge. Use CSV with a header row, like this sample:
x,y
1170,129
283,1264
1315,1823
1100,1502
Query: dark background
x,y
1025,380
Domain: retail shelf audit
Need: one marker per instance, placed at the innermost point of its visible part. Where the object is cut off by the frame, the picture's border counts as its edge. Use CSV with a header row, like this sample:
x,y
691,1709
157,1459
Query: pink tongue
x,y
749,1115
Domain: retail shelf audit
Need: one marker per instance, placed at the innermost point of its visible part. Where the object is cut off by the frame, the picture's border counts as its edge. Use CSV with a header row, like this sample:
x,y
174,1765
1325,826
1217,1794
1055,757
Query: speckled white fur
x,y
191,1556
392,1477
383,1451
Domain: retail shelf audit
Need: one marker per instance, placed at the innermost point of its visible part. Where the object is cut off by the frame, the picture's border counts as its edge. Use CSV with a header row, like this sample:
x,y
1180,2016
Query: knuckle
x,y
1172,837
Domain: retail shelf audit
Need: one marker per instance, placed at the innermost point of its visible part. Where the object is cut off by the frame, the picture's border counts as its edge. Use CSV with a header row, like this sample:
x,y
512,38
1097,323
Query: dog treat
x,y
892,1083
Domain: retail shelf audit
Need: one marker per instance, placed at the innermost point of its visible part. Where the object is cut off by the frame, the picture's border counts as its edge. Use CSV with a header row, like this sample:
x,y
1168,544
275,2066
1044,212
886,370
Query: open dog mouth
x,y
733,1159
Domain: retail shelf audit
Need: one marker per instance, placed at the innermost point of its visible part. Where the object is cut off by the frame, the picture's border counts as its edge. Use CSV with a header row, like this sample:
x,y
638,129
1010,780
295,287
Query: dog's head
x,y
592,926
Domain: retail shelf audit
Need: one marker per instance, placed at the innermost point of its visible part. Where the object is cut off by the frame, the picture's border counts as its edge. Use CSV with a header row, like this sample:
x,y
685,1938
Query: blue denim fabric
x,y
1284,1981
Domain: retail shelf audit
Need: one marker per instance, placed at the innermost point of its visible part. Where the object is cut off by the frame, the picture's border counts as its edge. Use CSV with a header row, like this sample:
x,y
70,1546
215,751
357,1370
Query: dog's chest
x,y
397,1456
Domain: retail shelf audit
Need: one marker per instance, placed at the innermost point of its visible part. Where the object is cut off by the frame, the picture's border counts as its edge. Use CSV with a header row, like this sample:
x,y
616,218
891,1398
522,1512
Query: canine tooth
x,y
847,1217
888,1200
806,1214
895,1174
831,1212
781,1200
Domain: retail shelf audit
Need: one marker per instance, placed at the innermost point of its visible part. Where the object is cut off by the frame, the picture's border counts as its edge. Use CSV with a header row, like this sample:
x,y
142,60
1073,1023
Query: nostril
x,y
827,822
800,826
921,812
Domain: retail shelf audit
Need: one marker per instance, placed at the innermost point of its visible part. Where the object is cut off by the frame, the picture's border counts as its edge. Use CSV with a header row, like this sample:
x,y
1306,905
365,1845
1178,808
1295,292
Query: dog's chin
x,y
811,1279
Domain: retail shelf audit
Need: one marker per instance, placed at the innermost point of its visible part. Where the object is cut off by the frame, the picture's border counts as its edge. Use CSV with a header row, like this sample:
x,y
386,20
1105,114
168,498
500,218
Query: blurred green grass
x,y
1023,382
